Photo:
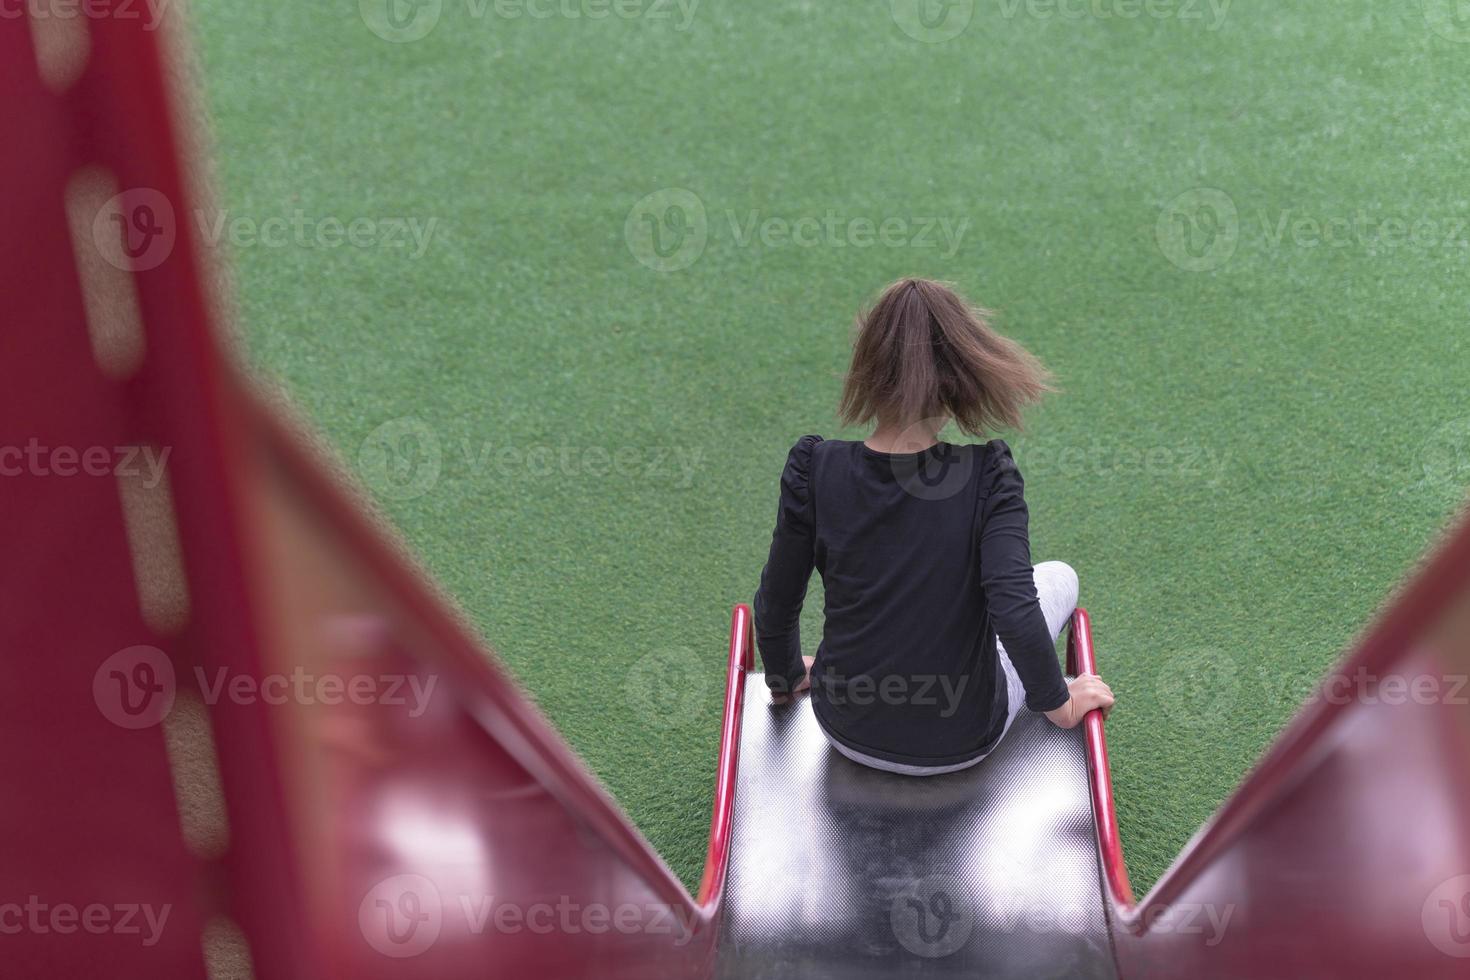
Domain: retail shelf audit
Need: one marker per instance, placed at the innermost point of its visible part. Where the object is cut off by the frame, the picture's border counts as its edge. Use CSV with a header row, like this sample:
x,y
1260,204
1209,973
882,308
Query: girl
x,y
938,630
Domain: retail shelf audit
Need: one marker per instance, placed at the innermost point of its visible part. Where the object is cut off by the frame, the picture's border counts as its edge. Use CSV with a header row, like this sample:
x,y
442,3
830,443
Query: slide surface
x,y
840,871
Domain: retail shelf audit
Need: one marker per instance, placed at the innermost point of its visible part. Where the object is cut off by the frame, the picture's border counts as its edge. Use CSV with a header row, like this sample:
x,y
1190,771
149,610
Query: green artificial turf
x,y
1250,448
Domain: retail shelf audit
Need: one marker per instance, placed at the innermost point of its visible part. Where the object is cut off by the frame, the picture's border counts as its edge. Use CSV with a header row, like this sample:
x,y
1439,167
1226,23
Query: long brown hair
x,y
922,352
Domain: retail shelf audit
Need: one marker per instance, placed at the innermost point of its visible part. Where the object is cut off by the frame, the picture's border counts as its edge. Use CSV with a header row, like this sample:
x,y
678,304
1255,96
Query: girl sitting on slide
x,y
938,631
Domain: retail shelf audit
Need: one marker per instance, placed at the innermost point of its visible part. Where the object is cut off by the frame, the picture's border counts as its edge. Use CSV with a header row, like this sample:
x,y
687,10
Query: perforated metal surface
x,y
839,871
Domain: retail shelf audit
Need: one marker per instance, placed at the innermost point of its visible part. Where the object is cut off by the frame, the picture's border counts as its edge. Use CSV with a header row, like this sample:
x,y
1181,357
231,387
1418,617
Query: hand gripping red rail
x,y
1082,659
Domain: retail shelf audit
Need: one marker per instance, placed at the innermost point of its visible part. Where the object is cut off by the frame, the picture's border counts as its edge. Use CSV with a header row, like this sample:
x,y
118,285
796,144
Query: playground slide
x,y
163,823
842,872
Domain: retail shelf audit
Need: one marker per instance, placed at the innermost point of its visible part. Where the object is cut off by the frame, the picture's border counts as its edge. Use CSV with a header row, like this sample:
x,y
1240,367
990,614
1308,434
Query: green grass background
x,y
1243,461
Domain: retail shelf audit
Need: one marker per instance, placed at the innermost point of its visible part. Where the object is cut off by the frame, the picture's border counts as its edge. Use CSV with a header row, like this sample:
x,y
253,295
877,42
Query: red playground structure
x,y
177,562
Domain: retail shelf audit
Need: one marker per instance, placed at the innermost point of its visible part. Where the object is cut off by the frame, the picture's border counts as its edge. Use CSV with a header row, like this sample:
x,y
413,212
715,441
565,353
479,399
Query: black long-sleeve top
x,y
925,558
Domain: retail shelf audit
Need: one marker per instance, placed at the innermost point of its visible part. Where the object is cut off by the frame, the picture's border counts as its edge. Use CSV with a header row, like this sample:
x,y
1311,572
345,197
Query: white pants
x,y
1056,587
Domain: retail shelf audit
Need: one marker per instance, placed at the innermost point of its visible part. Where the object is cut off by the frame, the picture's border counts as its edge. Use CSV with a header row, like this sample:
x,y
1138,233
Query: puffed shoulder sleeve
x,y
1002,474
796,481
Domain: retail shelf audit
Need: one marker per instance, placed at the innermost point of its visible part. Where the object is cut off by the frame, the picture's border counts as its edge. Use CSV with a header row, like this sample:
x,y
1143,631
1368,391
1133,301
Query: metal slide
x,y
839,872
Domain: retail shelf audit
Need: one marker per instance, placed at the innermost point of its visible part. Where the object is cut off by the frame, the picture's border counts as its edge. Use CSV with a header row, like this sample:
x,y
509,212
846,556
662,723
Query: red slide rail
x,y
1082,659
717,859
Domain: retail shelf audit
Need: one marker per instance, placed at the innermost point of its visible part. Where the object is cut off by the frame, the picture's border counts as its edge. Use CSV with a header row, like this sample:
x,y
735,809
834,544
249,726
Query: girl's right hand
x,y
1088,692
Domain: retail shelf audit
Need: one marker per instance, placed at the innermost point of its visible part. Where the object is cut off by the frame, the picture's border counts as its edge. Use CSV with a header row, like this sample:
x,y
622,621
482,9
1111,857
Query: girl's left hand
x,y
802,686
805,684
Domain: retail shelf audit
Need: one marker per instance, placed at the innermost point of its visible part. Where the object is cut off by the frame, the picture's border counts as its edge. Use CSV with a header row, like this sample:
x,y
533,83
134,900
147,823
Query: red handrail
x,y
1082,659
717,859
